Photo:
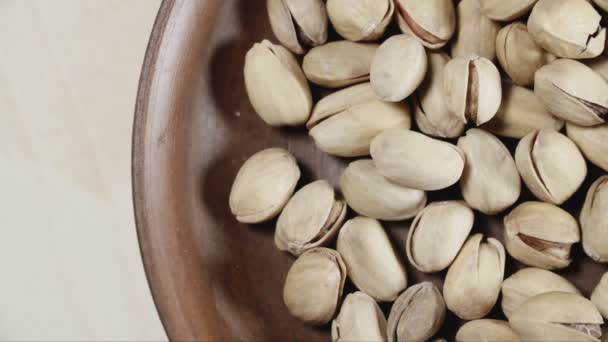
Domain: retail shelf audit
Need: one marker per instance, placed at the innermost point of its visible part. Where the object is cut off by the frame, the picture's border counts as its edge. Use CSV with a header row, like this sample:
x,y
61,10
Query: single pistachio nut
x,y
339,64
592,141
557,316
603,4
472,284
416,161
432,116
310,219
567,28
360,20
594,221
472,88
599,65
476,33
599,297
388,201
528,283
541,235
551,165
519,54
314,285
521,112
431,22
298,24
263,185
276,86
437,235
490,182
573,92
370,259
360,319
398,68
484,330
501,10
417,314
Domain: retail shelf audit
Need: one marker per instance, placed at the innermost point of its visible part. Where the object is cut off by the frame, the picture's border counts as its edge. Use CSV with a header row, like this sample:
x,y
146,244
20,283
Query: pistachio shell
x,y
276,86
592,141
298,24
599,297
340,101
371,261
398,68
472,284
599,65
437,234
360,319
263,185
541,235
416,161
502,10
310,219
485,330
431,22
476,33
388,201
360,20
551,165
594,221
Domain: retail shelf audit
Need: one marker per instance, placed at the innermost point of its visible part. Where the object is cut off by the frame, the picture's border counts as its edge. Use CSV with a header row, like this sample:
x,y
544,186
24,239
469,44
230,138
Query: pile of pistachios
x,y
467,75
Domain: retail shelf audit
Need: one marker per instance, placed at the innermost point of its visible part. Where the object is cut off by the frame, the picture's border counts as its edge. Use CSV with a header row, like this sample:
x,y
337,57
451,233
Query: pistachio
x,y
310,219
432,117
541,235
398,68
551,165
360,319
594,222
501,10
314,284
490,182
263,185
388,201
573,92
592,141
416,161
276,86
437,234
472,284
521,112
339,64
476,33
298,24
557,316
518,54
528,283
599,297
599,65
360,20
472,88
370,259
567,28
431,22
483,330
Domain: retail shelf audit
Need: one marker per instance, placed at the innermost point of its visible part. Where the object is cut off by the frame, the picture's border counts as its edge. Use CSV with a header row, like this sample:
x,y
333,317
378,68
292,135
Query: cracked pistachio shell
x,y
501,10
417,314
339,64
592,141
437,234
599,297
521,112
276,86
416,161
472,284
528,283
263,185
370,259
298,24
398,68
557,316
432,116
314,284
541,235
594,221
388,201
310,219
360,319
345,123
551,165
431,22
567,28
472,89
476,33
599,65
483,330
490,182
519,55
573,92
360,20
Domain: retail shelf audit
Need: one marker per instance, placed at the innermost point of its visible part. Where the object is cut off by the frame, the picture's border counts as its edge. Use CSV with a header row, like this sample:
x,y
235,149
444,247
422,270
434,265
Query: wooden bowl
x,y
211,277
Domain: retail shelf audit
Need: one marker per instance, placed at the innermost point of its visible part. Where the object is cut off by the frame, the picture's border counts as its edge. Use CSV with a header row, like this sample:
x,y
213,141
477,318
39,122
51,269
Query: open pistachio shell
x,y
592,141
502,10
360,20
298,24
599,297
476,33
432,22
594,221
360,319
486,330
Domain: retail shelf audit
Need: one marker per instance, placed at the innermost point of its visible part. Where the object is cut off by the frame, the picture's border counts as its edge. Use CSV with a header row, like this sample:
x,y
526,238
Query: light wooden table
x,y
70,263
